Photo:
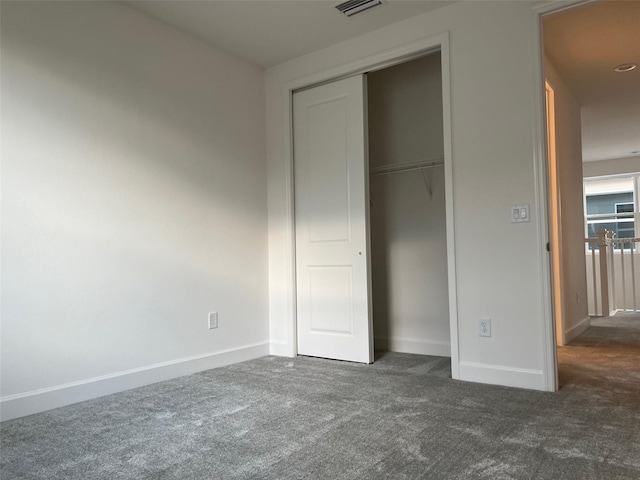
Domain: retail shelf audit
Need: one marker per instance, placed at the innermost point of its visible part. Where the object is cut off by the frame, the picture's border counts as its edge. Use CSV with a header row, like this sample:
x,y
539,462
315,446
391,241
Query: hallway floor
x,y
606,357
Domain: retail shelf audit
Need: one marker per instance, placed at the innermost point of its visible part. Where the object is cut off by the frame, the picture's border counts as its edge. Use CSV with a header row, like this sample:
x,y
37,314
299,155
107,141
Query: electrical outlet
x,y
485,327
213,320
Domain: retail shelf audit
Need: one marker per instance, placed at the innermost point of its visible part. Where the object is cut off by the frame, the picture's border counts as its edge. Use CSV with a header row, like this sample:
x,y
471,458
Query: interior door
x,y
555,220
331,215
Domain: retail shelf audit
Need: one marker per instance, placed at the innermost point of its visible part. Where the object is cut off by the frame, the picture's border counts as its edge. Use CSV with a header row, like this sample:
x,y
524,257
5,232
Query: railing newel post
x,y
604,240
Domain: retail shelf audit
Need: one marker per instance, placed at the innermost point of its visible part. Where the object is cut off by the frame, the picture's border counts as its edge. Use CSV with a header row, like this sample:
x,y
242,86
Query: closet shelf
x,y
405,167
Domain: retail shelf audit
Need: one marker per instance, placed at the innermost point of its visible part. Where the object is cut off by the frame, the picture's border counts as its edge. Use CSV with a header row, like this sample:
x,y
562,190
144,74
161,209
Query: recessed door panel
x,y
331,300
328,171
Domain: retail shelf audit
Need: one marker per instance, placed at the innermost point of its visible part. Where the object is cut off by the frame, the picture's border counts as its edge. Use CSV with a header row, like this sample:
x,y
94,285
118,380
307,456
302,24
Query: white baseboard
x,y
577,329
19,405
411,345
501,375
280,349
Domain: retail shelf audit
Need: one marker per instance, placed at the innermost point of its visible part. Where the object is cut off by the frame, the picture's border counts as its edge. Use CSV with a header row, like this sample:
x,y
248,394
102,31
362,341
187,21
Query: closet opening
x,y
407,209
371,212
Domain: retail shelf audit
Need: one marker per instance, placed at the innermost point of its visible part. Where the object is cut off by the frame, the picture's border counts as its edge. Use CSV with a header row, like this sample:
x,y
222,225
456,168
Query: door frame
x,y
378,61
542,187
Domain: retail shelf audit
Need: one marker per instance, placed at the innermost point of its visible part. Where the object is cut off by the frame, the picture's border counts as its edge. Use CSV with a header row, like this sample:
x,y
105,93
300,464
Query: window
x,y
611,204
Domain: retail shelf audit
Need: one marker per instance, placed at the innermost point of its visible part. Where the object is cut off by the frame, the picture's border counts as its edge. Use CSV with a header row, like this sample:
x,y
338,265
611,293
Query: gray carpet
x,y
305,418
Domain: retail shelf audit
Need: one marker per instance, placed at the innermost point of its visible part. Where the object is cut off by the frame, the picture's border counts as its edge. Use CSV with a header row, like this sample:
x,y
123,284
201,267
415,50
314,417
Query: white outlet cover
x,y
485,327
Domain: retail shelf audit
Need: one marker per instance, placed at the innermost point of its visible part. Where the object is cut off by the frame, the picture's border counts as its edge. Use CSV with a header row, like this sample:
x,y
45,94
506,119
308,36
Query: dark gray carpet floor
x,y
305,418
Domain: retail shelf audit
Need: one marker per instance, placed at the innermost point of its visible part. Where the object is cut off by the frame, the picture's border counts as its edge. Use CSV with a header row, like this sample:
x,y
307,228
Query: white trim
x,y
291,293
541,166
367,64
500,375
548,6
449,207
28,403
577,329
412,345
280,349
385,59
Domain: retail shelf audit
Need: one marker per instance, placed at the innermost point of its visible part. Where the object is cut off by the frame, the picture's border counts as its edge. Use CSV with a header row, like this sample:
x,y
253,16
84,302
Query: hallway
x,y
604,359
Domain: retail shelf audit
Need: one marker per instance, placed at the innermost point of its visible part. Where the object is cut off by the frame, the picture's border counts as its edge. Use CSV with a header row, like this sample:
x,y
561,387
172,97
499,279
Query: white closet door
x,y
331,214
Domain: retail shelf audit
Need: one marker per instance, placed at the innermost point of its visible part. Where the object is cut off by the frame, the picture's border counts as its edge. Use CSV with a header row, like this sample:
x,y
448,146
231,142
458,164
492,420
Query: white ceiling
x,y
269,32
585,44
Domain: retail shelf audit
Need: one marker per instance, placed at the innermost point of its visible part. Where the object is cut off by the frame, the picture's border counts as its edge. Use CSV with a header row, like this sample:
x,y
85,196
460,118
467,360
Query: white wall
x,y
617,166
408,225
571,199
499,264
133,203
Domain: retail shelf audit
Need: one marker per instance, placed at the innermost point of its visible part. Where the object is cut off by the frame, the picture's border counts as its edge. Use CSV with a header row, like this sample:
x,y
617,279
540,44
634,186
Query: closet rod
x,y
405,167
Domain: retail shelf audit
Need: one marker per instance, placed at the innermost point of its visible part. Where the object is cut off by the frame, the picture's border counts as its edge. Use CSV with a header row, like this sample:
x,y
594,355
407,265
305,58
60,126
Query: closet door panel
x,y
332,254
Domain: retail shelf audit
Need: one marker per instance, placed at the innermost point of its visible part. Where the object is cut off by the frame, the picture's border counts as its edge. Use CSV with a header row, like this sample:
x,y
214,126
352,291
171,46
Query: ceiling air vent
x,y
352,7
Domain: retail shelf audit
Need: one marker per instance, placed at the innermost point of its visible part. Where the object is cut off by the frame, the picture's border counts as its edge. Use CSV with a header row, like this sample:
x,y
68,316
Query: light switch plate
x,y
520,214
213,320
